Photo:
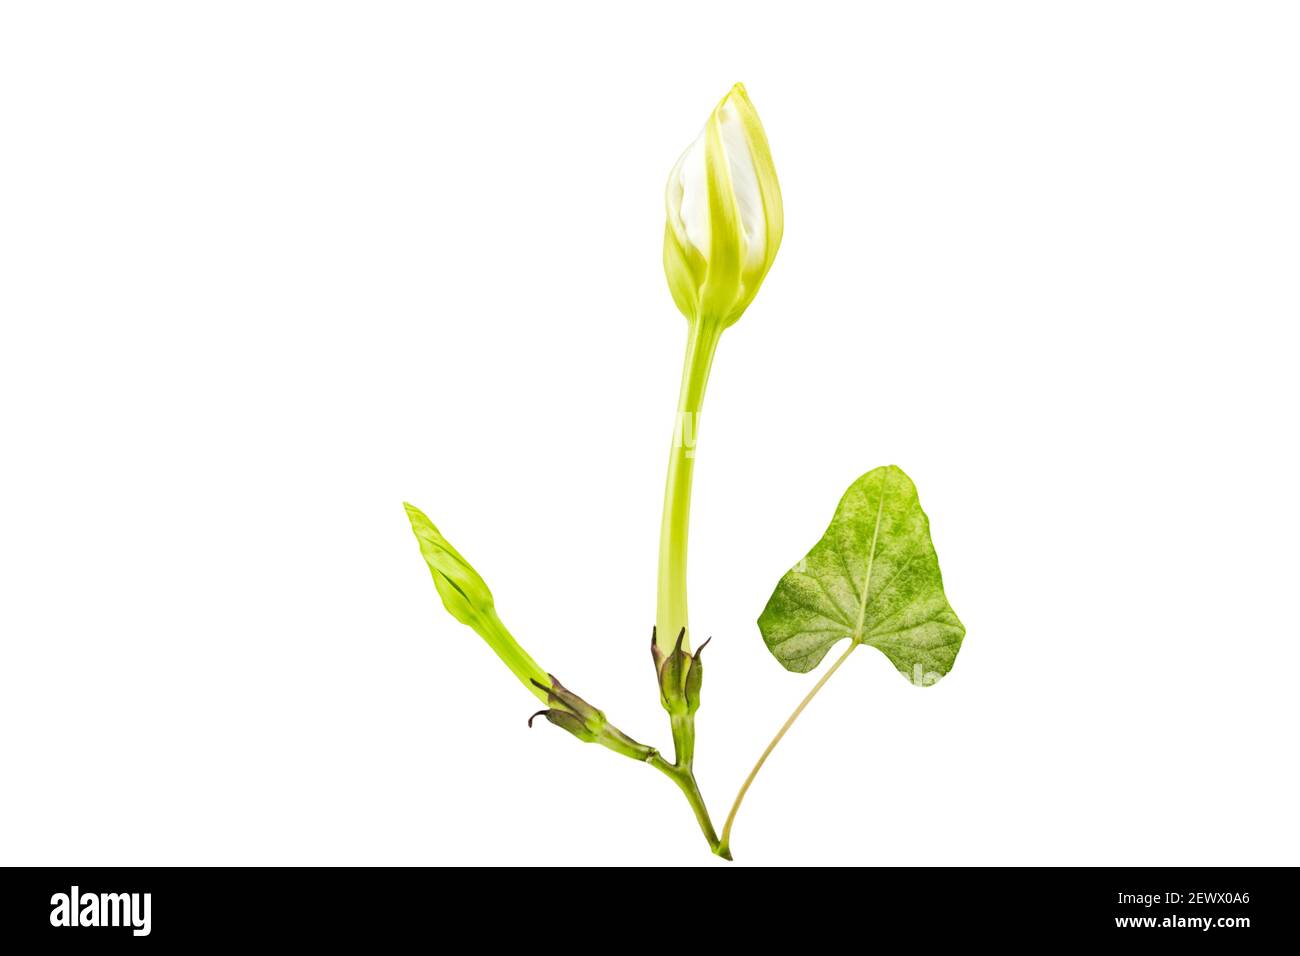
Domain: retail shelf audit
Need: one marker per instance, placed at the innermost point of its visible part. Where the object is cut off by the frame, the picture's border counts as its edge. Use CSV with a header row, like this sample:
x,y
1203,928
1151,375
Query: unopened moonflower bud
x,y
468,599
724,215
465,595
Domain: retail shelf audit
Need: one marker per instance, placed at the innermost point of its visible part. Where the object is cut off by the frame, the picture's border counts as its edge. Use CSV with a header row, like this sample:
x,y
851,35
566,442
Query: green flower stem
x,y
684,739
685,779
671,611
529,672
571,713
613,739
723,848
671,615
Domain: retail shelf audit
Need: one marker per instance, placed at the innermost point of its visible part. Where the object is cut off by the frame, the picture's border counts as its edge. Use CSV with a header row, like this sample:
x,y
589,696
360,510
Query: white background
x,y
268,270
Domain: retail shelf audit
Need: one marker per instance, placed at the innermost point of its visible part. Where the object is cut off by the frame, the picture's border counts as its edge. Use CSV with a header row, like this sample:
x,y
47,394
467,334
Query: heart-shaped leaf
x,y
873,578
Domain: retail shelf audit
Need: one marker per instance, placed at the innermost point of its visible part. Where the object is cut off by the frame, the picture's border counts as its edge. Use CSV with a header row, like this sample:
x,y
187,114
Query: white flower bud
x,y
724,214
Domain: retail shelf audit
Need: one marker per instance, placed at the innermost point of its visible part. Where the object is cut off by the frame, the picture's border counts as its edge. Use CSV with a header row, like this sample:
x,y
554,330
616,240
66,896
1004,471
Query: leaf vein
x,y
871,557
829,597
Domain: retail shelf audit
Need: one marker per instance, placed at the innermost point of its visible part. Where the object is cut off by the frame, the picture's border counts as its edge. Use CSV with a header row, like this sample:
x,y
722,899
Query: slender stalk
x,y
671,613
599,730
685,779
670,610
498,637
684,739
724,845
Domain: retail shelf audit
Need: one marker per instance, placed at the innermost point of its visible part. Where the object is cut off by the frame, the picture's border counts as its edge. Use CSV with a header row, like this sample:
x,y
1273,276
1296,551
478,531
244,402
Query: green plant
x,y
872,579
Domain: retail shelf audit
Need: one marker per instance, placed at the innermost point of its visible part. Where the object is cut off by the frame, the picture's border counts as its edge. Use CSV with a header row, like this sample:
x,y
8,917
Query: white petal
x,y
744,182
688,197
688,190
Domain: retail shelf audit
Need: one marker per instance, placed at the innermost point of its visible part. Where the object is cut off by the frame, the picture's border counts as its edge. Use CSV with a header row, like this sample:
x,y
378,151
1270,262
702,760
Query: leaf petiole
x,y
724,845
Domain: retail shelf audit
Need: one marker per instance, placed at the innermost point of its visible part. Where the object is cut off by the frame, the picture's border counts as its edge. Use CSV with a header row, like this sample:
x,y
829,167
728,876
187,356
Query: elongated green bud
x,y
468,599
465,595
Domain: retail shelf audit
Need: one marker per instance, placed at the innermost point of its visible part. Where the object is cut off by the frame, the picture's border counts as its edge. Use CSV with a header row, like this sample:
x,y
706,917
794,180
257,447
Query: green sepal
x,y
570,712
680,675
694,678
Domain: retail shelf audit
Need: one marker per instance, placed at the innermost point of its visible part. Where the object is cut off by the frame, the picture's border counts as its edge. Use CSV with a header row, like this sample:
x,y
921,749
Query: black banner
x,y
136,907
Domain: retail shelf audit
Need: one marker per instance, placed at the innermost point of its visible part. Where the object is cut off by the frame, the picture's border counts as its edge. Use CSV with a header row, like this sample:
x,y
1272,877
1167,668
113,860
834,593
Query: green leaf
x,y
873,578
